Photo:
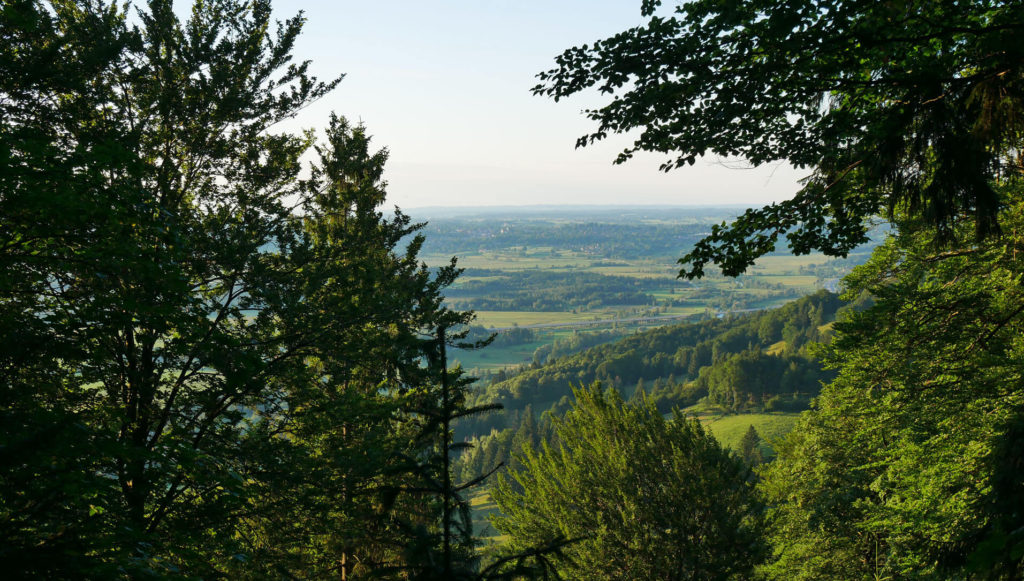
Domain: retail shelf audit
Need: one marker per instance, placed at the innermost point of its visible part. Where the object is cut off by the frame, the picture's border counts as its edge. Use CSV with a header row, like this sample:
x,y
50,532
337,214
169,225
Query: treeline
x,y
546,290
500,447
718,355
752,379
476,334
598,239
574,343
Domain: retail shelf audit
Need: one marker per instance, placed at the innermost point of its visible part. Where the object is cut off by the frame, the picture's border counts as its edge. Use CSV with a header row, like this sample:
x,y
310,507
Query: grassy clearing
x,y
482,506
665,294
729,430
776,348
634,270
507,261
464,279
791,280
522,318
685,311
494,357
786,264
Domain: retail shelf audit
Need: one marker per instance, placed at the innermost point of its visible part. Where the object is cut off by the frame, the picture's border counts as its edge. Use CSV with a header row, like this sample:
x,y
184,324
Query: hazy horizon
x,y
445,87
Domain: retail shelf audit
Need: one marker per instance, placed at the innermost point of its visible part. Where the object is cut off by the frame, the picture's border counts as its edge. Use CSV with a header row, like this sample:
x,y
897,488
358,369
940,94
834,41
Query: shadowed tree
x,y
184,316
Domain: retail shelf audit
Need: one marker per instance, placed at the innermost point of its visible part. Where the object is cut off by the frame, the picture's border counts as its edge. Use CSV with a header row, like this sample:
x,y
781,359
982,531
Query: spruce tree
x,y
750,447
642,497
198,378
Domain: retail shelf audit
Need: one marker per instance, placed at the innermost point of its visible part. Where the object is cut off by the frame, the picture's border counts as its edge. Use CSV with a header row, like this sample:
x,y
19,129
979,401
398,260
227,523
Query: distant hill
x,y
741,366
601,213
752,361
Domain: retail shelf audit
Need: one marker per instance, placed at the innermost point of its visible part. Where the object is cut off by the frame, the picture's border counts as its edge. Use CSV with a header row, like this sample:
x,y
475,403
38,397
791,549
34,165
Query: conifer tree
x,y
439,542
750,447
638,392
642,497
197,378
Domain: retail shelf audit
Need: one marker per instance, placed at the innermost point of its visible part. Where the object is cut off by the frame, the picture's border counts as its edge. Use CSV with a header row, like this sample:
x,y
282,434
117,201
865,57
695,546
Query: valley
x,y
559,271
591,294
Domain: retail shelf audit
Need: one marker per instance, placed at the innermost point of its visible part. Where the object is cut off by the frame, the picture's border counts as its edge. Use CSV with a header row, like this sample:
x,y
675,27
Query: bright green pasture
x,y
776,348
729,430
514,261
495,357
790,280
636,269
684,311
523,318
788,264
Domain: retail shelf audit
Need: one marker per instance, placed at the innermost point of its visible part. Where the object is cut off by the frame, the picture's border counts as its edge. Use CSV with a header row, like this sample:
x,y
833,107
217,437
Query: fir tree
x,y
750,447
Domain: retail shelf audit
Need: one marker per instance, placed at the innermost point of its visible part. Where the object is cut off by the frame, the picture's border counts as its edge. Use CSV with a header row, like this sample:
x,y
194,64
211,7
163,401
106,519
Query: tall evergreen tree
x,y
327,503
188,360
750,447
642,496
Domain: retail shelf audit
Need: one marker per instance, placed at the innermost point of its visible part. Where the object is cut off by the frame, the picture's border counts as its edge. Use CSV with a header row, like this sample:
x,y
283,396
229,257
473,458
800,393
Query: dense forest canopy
x,y
699,353
608,482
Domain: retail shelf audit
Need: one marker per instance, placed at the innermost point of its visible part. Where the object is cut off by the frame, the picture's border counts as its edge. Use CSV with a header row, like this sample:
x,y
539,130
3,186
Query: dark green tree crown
x,y
894,106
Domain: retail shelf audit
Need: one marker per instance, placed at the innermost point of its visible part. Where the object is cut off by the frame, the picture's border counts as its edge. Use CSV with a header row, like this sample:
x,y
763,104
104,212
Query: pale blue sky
x,y
445,86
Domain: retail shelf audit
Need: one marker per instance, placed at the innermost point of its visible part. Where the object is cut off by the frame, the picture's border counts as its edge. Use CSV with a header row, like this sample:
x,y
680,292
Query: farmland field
x,y
589,269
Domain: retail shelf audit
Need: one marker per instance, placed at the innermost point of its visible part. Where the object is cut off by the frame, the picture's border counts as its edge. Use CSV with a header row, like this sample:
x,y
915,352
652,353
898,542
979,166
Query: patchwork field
x,y
586,270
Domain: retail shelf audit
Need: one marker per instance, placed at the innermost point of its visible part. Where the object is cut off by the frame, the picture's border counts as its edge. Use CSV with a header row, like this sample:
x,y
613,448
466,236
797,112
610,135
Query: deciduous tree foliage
x,y
911,106
909,465
53,154
913,110
644,497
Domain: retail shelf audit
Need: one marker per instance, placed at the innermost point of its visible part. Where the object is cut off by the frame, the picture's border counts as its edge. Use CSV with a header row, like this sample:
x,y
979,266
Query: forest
x,y
707,353
746,367
222,357
547,291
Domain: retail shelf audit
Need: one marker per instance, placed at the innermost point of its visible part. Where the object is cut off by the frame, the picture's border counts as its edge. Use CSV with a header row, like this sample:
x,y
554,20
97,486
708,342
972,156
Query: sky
x,y
445,87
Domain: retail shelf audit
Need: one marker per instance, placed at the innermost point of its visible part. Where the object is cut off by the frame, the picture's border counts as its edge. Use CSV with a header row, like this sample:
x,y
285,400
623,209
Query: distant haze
x,y
445,86
581,213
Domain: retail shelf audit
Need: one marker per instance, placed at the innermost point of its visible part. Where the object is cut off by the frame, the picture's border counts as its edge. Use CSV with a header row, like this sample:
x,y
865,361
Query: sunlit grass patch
x,y
729,430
